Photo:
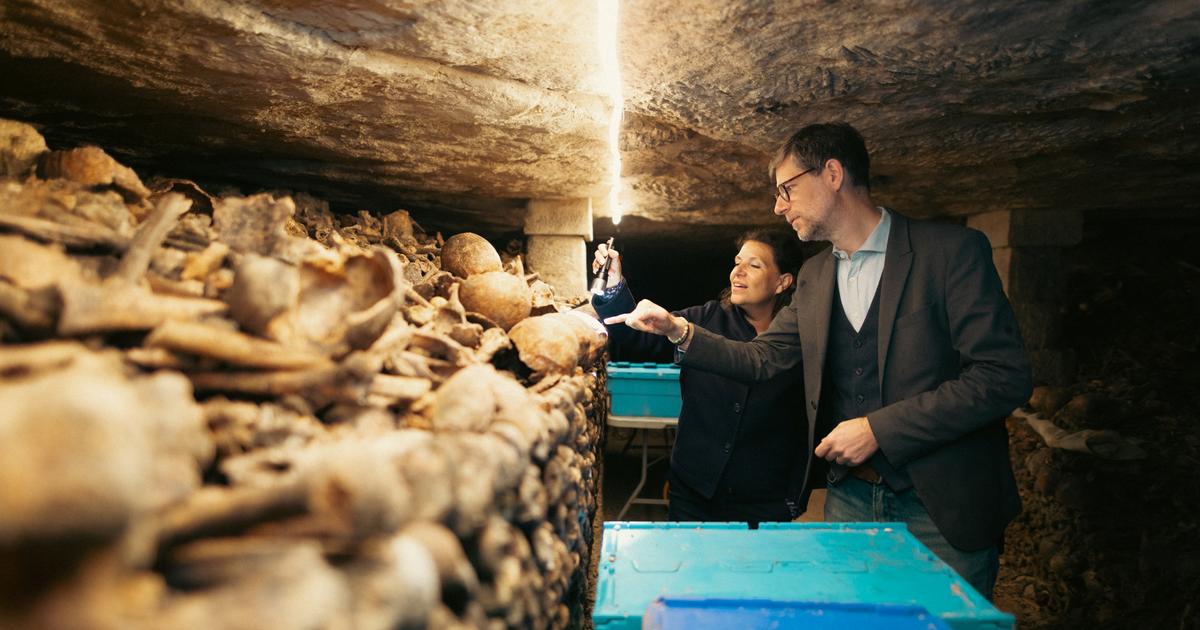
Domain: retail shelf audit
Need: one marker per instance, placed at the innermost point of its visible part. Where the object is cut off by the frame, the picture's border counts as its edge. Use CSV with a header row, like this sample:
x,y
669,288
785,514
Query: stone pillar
x,y
1027,247
558,231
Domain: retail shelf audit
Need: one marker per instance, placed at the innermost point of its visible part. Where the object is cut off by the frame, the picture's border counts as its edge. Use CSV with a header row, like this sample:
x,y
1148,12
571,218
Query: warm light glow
x,y
611,82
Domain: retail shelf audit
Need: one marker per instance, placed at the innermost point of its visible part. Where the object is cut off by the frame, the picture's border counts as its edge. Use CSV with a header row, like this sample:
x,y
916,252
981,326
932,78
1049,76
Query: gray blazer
x,y
952,366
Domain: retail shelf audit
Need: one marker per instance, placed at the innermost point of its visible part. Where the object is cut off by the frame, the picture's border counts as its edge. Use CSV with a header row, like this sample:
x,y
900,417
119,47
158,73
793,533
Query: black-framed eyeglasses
x,y
783,192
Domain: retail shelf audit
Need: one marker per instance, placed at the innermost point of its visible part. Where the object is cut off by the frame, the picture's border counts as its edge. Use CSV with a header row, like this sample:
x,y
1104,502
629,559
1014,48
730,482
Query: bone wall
x,y
225,411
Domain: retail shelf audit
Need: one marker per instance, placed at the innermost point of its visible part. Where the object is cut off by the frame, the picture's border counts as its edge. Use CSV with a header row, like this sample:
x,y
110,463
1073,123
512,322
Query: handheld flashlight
x,y
601,279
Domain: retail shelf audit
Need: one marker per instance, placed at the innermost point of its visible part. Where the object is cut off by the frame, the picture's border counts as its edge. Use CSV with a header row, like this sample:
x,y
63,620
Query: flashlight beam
x,y
611,81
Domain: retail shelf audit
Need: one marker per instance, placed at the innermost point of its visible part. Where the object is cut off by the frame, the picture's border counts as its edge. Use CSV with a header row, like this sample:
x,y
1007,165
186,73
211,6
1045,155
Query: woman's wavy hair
x,y
785,247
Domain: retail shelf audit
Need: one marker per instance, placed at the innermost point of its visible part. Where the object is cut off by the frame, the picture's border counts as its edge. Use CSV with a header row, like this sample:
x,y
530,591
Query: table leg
x,y
637,490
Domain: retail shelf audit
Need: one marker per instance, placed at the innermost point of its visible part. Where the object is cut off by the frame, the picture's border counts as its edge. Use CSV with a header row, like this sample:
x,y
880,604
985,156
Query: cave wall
x,y
461,112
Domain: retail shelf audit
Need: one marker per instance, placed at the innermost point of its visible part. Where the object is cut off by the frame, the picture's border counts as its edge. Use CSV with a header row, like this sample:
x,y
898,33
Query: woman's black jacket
x,y
748,442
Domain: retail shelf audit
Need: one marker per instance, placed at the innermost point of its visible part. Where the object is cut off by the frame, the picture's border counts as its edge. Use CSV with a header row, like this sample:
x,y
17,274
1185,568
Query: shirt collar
x,y
877,241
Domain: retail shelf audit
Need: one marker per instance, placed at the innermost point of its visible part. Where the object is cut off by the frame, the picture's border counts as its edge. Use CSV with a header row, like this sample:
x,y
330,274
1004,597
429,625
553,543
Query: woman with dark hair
x,y
742,450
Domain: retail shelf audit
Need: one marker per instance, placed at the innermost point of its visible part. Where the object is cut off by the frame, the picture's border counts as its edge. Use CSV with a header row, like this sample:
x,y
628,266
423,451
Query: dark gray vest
x,y
850,383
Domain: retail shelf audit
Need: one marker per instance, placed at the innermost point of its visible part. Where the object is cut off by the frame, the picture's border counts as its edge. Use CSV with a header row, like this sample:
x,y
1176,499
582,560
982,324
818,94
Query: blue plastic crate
x,y
846,563
746,614
644,389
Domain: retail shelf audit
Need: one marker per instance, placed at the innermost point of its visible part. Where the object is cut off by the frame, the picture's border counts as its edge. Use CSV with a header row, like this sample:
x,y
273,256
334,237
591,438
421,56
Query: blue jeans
x,y
855,500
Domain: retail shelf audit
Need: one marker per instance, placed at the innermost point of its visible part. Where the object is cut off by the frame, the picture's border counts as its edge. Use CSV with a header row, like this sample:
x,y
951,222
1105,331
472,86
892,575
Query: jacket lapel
x,y
896,264
813,320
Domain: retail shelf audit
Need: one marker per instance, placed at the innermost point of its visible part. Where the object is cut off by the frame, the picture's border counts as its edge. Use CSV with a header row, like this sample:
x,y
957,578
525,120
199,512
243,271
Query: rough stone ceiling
x,y
461,111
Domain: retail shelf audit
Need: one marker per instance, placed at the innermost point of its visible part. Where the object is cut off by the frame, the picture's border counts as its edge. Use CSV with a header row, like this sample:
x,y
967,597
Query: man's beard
x,y
811,232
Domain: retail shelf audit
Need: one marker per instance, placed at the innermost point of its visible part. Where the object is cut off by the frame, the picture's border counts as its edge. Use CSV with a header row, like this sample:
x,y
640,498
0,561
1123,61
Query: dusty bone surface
x,y
276,417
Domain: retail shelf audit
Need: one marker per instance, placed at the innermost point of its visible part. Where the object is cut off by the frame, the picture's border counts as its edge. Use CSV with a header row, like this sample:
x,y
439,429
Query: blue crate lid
x,y
849,563
644,389
673,613
657,371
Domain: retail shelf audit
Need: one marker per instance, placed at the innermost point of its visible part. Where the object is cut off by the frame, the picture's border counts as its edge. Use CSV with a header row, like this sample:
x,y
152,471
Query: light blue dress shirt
x,y
858,275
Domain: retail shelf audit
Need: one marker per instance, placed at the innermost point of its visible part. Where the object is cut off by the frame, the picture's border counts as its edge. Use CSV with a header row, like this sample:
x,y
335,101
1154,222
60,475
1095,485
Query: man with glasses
x,y
912,357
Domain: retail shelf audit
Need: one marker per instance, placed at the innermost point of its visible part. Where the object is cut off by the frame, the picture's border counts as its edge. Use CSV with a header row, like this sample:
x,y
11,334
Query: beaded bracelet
x,y
687,332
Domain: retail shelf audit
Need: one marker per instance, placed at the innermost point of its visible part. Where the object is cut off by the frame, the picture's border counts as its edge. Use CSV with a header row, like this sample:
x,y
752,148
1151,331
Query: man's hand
x,y
614,269
652,318
849,443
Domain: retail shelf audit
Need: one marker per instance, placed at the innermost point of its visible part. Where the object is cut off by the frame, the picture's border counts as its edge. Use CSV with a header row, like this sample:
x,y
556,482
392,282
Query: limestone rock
x,y
465,111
